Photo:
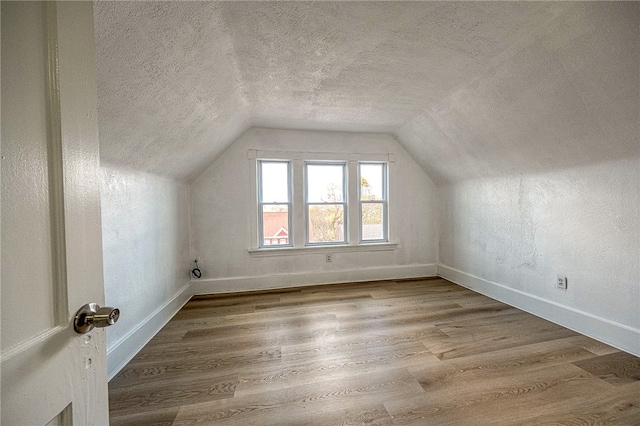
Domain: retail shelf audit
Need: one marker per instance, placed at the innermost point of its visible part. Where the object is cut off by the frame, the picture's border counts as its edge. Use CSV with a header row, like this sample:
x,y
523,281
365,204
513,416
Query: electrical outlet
x,y
329,257
561,282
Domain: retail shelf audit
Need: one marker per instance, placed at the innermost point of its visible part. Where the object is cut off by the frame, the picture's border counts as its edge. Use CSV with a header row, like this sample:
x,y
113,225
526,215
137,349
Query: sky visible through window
x,y
274,182
324,183
274,176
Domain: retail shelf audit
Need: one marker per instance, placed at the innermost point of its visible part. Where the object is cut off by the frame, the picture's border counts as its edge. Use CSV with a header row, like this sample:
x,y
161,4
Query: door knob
x,y
92,315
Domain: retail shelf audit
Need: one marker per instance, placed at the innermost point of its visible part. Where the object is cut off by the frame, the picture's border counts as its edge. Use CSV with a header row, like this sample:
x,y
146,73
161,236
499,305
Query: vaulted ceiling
x,y
470,89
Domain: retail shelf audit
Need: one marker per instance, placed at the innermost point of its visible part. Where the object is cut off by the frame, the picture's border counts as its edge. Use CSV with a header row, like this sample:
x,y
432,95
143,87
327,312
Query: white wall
x,y
565,95
509,237
221,216
145,222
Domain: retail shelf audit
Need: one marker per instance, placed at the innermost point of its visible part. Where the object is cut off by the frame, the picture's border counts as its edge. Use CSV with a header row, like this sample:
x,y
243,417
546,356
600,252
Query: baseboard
x,y
122,351
269,282
614,334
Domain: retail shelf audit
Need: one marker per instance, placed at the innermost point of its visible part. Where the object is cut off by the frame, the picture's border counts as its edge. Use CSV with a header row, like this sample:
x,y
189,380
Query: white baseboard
x,y
268,282
122,351
614,334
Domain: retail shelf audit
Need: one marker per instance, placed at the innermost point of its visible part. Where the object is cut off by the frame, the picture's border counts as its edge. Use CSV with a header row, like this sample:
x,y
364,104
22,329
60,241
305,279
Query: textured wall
x,y
221,208
568,97
168,87
521,231
472,89
145,241
366,65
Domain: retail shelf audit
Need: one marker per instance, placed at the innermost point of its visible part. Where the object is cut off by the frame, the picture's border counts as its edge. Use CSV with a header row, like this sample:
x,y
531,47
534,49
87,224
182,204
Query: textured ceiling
x,y
471,89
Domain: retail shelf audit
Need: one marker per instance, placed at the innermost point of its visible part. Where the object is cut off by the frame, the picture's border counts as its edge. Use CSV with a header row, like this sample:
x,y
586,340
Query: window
x,y
372,178
308,201
325,202
274,202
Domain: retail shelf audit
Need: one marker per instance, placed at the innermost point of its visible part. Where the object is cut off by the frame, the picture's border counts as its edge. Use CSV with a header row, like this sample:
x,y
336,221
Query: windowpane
x,y
275,224
373,221
371,182
326,223
275,182
325,183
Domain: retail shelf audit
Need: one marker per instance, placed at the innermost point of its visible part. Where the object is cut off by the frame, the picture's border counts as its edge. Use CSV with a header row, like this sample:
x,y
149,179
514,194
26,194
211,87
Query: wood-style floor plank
x,y
304,403
617,368
406,352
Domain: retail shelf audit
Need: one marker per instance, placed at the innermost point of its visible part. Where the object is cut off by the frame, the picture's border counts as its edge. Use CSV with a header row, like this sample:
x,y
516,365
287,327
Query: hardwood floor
x,y
415,352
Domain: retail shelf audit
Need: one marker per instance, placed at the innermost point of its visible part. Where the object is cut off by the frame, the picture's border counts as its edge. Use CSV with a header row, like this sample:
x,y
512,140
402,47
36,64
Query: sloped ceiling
x,y
471,89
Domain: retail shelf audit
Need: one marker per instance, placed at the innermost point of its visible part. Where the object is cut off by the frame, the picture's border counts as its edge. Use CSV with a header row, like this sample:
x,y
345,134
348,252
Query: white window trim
x,y
297,215
269,251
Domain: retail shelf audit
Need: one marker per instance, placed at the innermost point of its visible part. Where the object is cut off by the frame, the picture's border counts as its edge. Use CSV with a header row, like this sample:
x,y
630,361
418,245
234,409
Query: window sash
x,y
261,207
383,202
308,205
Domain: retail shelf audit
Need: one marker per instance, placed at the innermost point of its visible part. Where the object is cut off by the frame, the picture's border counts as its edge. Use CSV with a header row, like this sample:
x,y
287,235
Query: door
x,y
50,217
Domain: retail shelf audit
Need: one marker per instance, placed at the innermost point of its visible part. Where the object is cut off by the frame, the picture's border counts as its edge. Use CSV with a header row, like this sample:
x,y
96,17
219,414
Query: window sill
x,y
294,251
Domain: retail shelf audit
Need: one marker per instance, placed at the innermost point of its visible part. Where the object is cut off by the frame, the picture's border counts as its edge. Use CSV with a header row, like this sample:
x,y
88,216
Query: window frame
x,y
344,203
384,202
297,236
261,204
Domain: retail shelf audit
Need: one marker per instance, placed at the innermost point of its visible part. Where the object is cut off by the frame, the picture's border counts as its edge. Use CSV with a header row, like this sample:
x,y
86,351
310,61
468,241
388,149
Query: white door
x,y
50,217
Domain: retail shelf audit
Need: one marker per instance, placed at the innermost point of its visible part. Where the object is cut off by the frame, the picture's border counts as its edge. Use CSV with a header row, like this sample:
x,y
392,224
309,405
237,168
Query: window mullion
x,y
298,213
353,208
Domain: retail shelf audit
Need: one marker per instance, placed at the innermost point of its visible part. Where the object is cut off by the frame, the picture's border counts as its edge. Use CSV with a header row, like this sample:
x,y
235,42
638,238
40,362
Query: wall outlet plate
x,y
561,282
329,257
